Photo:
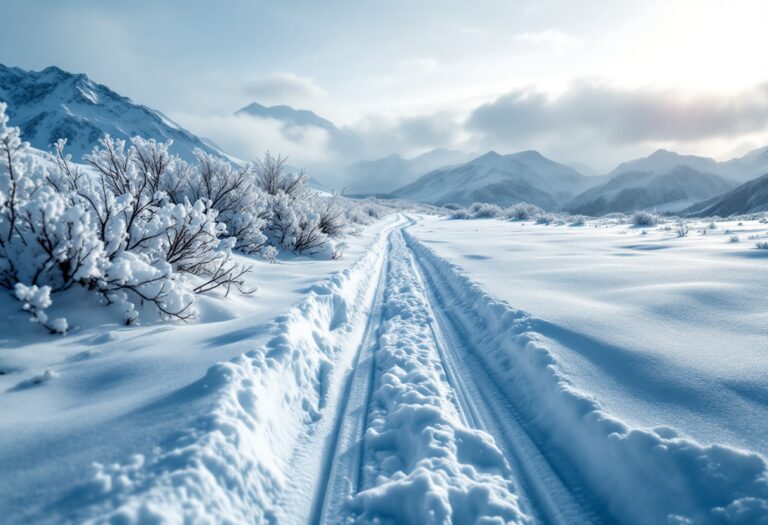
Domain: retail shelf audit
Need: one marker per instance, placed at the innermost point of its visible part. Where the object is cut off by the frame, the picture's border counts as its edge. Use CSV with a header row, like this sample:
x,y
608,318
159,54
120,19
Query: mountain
x,y
52,104
501,179
384,175
752,165
288,116
750,197
662,161
740,169
638,190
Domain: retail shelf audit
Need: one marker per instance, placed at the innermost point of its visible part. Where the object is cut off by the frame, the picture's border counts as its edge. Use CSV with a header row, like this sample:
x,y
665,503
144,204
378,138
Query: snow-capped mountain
x,y
288,116
636,190
386,174
501,179
663,161
740,169
750,197
752,165
52,104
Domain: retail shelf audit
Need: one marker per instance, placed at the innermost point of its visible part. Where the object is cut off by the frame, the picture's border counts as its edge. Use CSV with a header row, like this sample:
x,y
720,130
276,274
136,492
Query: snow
x,y
642,474
659,329
115,394
423,465
443,371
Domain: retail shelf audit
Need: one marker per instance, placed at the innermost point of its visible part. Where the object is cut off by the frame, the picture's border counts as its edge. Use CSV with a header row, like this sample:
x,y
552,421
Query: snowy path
x,y
433,425
400,391
410,309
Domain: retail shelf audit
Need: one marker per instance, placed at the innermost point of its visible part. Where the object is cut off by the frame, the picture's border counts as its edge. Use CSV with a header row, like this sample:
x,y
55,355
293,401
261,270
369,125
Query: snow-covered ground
x,y
115,391
660,329
447,371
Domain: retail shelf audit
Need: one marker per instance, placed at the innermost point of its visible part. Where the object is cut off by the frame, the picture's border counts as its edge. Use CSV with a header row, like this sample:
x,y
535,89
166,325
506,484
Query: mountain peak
x,y
288,115
488,156
54,103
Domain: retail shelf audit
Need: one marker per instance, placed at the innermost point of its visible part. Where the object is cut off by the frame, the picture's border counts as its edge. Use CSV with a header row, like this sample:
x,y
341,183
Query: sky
x,y
593,82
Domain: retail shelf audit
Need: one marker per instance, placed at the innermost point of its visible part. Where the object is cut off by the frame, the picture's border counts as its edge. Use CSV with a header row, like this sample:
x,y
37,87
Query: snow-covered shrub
x,y
681,229
235,195
332,216
484,210
296,220
644,218
523,211
462,214
338,250
546,218
762,245
114,229
734,238
364,211
269,253
36,300
273,179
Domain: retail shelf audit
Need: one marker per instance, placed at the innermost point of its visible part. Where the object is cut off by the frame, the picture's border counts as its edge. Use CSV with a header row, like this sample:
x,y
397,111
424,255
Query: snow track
x,y
400,392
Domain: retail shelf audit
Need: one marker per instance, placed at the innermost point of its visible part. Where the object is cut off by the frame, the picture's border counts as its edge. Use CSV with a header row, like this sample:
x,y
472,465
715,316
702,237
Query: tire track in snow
x,y
480,405
423,460
546,495
342,476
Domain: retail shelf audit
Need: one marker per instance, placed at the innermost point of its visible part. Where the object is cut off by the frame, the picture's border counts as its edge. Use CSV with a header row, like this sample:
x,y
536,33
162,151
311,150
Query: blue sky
x,y
574,79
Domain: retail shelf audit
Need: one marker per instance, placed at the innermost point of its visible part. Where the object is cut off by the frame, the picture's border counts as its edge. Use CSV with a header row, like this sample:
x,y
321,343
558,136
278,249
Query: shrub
x,y
681,229
234,194
644,218
269,254
734,238
483,210
523,212
273,179
114,230
762,245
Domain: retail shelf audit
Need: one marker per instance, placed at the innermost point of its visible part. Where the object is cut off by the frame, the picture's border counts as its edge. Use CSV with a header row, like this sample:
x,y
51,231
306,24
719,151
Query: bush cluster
x,y
138,225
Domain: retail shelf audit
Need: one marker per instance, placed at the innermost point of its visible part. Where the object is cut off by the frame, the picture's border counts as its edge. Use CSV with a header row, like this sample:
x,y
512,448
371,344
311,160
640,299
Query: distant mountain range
x,y
751,165
750,197
367,177
644,190
51,104
501,179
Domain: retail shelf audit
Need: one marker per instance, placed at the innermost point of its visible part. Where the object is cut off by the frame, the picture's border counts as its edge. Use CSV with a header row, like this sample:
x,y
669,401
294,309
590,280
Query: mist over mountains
x,y
53,103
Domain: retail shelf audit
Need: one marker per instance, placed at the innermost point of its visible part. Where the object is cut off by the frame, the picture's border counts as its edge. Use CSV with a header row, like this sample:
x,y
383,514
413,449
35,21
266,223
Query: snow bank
x,y
643,476
422,464
230,465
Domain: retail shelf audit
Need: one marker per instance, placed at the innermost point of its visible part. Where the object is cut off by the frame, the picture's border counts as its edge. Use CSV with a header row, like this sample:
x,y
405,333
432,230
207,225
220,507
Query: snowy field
x,y
105,391
442,371
660,329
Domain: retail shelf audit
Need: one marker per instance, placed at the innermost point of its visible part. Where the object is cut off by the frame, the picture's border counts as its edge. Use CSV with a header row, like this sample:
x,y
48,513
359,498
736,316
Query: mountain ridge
x,y
53,103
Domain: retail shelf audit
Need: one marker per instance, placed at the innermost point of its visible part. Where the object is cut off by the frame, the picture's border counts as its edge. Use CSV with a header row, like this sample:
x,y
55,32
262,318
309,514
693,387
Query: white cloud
x,y
248,138
419,64
283,87
548,37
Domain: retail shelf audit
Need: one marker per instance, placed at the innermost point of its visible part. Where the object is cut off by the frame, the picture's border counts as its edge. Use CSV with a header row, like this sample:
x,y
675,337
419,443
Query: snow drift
x,y
642,476
230,466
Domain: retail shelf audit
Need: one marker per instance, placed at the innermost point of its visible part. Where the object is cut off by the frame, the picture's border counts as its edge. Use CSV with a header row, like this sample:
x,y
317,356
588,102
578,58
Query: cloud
x,y
376,136
248,138
283,87
548,37
620,116
419,64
